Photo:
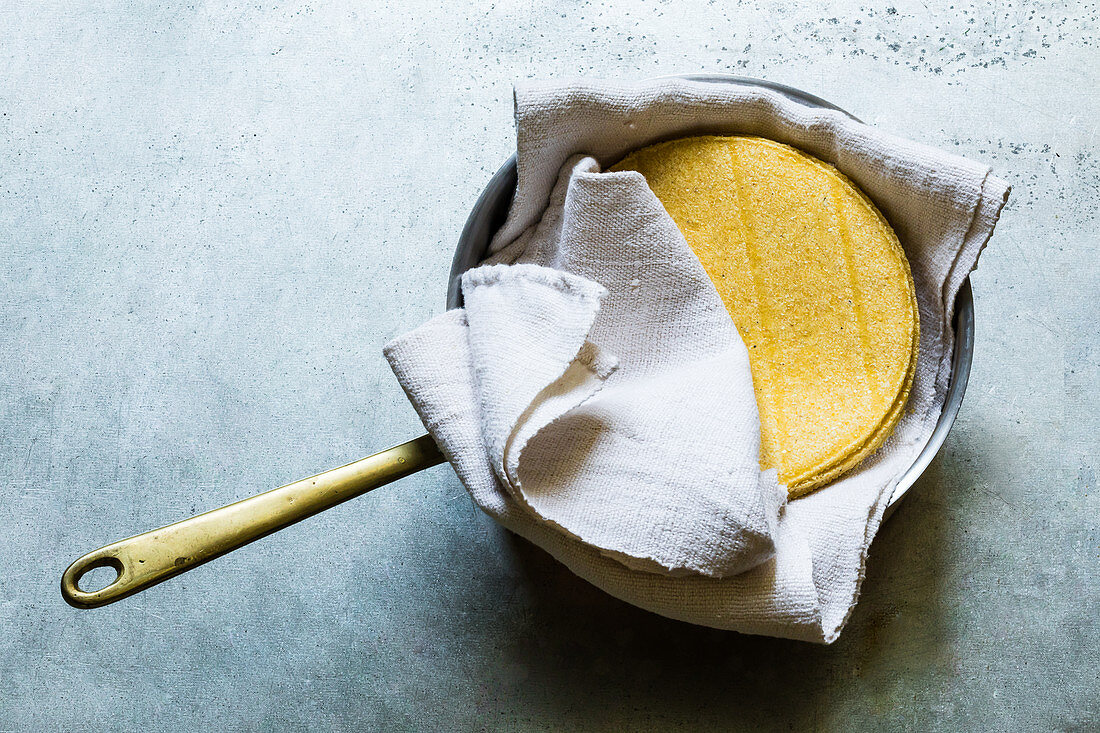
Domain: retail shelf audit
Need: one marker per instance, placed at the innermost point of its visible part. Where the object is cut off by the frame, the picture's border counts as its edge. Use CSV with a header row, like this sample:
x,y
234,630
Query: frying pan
x,y
147,559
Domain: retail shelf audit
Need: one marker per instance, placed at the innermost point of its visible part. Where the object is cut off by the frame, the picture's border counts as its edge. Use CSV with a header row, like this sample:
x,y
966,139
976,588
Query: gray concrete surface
x,y
214,214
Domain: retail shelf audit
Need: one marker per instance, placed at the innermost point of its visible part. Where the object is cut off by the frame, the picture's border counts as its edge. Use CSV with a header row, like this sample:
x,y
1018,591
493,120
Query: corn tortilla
x,y
815,280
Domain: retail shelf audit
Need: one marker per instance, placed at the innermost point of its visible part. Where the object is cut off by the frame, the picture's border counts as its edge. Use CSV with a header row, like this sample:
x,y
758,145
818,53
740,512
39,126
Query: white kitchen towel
x,y
607,228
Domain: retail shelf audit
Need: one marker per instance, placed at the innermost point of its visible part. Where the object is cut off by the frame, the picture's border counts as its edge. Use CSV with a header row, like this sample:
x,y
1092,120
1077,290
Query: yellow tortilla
x,y
817,283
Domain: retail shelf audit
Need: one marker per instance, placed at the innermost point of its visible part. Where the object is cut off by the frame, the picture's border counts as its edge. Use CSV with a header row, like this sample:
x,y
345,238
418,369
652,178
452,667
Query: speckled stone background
x,y
214,214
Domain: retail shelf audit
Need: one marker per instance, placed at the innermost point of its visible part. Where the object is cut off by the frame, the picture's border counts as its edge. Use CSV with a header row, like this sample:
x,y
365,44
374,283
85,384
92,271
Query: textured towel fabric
x,y
629,475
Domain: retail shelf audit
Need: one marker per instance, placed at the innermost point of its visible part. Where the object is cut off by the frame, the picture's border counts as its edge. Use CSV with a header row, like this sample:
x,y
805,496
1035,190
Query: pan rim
x,y
491,208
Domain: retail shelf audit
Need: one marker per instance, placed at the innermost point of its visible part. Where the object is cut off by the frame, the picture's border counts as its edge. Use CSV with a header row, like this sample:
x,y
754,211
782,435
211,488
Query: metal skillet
x,y
147,559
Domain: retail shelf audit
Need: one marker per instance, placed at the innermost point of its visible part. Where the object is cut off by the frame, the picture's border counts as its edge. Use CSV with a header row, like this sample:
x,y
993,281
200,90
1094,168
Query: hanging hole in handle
x,y
93,579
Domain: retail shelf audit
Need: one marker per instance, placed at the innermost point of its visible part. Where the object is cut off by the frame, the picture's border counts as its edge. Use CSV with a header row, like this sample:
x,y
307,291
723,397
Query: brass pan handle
x,y
148,559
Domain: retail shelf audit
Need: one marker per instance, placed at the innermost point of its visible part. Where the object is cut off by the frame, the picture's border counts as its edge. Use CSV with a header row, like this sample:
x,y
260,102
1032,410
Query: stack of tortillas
x,y
817,284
